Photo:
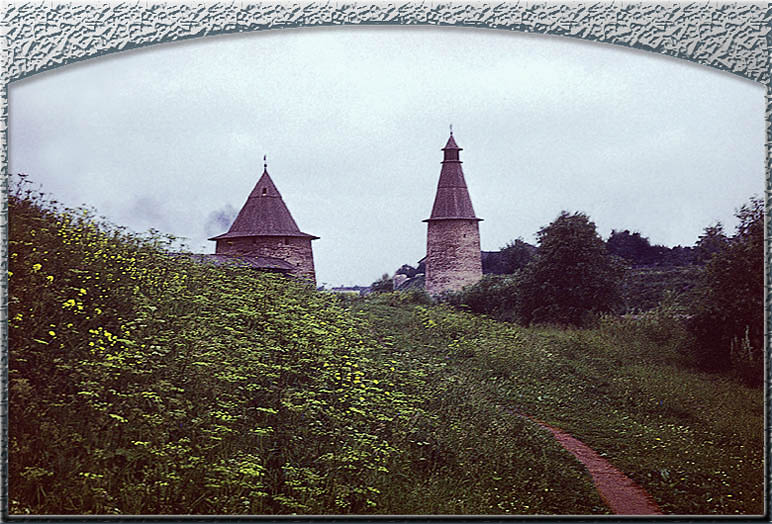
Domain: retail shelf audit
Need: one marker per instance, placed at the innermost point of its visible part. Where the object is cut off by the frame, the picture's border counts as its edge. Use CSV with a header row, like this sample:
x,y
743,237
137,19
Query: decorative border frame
x,y
36,37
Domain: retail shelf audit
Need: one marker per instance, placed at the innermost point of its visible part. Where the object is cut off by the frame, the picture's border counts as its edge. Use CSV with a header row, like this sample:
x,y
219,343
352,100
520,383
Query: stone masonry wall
x,y
293,250
452,255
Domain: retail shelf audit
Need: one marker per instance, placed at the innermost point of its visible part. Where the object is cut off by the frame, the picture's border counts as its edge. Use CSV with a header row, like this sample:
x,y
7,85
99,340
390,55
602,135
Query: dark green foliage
x,y
571,277
659,333
679,256
494,295
644,288
728,316
710,242
634,248
638,251
382,285
509,259
517,255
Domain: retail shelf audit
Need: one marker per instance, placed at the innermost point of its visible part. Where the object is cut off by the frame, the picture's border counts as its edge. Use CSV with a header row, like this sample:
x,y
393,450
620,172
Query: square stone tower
x,y
265,230
453,258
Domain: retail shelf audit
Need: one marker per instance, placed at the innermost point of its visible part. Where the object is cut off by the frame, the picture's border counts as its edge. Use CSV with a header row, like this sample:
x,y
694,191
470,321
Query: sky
x,y
352,121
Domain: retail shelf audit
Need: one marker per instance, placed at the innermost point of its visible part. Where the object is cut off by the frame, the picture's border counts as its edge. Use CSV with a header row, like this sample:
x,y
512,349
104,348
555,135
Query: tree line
x,y
573,276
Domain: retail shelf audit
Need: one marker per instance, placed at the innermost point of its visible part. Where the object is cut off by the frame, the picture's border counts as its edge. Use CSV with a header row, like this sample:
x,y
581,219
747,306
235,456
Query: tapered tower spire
x,y
453,238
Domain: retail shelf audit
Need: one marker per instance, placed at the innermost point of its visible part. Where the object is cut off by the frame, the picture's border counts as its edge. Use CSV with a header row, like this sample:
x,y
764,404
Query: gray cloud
x,y
218,221
148,210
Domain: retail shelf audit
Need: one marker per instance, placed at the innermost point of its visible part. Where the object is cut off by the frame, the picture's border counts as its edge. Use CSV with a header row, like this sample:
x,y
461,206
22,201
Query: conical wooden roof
x,y
452,200
264,214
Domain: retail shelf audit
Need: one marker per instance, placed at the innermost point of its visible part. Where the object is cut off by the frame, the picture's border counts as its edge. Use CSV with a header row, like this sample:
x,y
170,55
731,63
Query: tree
x,y
728,316
516,255
383,284
633,247
572,275
494,295
711,241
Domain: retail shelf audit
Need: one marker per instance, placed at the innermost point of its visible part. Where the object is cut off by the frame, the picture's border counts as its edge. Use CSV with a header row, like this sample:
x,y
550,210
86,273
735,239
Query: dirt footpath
x,y
618,491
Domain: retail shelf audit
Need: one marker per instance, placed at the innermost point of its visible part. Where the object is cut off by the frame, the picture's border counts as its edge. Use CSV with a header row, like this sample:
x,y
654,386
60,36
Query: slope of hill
x,y
693,440
144,383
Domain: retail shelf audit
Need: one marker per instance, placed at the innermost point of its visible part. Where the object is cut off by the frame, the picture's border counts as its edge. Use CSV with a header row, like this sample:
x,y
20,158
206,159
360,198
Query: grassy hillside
x,y
693,440
143,383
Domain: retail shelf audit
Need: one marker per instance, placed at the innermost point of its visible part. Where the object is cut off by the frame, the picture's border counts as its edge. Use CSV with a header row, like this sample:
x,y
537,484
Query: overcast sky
x,y
172,137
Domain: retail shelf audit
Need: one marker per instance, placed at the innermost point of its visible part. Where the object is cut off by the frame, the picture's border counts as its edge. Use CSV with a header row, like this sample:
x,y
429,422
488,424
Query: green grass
x,y
479,456
693,440
142,383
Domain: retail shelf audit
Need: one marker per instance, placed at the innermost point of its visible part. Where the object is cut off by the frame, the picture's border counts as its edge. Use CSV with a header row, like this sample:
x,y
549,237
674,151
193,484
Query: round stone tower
x,y
265,231
453,258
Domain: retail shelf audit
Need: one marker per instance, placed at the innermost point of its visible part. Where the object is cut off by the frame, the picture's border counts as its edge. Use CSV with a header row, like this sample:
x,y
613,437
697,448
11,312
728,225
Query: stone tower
x,y
264,230
453,236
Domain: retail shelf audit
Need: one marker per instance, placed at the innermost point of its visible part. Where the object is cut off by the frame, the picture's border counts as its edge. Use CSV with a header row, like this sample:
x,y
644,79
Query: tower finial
x,y
451,129
265,162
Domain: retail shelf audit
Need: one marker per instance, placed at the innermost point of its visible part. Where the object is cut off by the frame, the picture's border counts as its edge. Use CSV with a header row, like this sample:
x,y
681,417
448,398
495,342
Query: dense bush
x,y
383,285
728,315
710,242
660,334
643,288
633,247
516,255
494,295
572,276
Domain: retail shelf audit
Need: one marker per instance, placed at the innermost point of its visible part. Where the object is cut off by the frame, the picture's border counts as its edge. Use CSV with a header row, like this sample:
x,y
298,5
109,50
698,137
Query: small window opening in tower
x,y
265,190
286,241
